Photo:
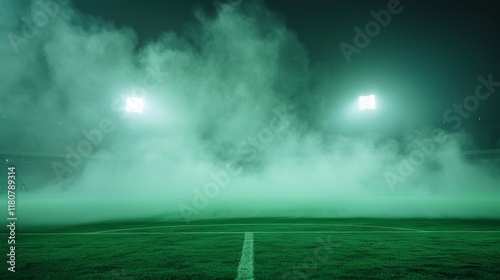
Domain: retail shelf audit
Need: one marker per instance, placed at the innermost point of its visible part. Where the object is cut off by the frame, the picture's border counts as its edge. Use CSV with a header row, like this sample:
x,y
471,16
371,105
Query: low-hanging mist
x,y
232,127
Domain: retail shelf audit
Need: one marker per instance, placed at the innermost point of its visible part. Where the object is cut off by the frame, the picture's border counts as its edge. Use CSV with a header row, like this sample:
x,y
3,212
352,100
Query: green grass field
x,y
282,249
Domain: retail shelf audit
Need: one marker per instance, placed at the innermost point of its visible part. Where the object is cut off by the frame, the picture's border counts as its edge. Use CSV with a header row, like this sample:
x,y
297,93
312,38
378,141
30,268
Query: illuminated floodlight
x,y
135,104
367,102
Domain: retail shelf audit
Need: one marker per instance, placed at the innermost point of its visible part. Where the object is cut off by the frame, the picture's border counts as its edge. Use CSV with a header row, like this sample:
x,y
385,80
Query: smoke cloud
x,y
232,127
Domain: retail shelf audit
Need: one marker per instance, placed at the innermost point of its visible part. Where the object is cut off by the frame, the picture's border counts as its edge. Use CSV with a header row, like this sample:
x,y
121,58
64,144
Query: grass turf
x,y
283,249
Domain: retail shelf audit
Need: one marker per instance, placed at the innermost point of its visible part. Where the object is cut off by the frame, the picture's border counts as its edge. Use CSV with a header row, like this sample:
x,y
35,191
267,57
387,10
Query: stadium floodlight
x,y
367,102
135,104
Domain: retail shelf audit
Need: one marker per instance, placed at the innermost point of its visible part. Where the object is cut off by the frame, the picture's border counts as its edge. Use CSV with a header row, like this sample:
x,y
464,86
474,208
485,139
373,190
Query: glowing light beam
x,y
367,102
135,104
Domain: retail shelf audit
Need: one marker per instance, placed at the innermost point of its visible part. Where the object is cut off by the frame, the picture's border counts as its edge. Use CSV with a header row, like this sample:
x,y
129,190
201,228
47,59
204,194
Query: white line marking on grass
x,y
272,224
263,232
245,268
371,226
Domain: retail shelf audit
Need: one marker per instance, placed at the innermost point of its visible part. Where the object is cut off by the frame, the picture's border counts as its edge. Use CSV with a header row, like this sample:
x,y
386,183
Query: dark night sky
x,y
428,57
